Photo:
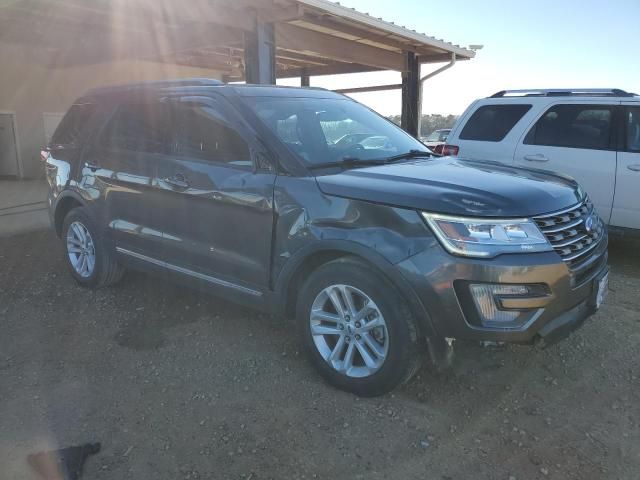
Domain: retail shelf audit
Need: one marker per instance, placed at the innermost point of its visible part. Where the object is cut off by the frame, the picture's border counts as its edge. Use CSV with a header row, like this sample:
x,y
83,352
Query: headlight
x,y
475,237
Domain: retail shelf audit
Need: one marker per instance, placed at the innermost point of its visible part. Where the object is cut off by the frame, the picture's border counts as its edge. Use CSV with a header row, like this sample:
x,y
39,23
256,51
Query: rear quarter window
x,y
491,123
73,126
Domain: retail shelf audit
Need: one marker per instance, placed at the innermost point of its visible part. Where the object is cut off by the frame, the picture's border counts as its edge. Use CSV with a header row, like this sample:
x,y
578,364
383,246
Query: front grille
x,y
569,232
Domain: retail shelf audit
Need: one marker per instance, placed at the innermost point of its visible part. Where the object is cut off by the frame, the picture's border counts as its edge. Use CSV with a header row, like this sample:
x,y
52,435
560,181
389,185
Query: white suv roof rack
x,y
564,92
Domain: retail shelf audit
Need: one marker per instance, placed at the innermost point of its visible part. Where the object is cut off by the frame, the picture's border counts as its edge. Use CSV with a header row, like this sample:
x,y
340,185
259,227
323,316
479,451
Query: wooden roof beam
x,y
308,60
305,41
260,10
331,69
328,21
439,58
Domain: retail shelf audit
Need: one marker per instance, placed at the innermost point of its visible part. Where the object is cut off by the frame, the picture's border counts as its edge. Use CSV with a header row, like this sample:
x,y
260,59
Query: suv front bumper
x,y
441,282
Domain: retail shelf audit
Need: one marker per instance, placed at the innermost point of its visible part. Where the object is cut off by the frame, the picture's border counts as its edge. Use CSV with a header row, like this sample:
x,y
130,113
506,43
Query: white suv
x,y
592,135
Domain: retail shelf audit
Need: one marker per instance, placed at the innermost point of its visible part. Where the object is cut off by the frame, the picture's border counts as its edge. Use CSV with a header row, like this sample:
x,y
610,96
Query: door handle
x,y
538,157
177,181
634,168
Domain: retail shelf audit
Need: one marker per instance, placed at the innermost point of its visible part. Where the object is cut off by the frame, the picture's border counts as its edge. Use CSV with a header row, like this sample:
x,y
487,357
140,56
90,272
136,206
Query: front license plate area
x,y
601,288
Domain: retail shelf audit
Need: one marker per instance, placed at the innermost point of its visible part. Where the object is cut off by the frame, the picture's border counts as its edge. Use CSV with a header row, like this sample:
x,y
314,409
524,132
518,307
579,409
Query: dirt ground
x,y
178,385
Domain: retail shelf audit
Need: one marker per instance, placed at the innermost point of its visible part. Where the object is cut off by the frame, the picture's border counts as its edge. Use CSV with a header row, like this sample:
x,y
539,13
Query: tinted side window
x,y
138,128
633,130
201,132
575,126
491,123
73,125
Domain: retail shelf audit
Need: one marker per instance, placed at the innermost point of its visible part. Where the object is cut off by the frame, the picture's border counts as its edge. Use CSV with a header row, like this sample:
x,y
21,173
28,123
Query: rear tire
x,y
90,262
369,347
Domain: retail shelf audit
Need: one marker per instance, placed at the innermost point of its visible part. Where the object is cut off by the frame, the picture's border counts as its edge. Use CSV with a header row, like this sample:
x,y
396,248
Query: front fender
x,y
304,215
333,248
310,224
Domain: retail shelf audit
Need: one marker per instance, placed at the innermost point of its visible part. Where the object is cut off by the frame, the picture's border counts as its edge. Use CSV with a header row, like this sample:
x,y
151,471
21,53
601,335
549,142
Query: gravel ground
x,y
178,385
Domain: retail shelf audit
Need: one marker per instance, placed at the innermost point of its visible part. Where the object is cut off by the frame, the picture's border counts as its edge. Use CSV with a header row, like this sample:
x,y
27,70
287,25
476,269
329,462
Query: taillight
x,y
44,155
438,149
450,150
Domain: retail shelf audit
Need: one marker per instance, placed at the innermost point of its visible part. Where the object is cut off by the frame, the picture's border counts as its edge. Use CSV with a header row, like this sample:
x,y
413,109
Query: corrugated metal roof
x,y
335,8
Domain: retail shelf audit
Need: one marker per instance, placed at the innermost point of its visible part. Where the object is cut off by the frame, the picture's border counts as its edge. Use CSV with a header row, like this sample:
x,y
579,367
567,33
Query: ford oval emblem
x,y
588,224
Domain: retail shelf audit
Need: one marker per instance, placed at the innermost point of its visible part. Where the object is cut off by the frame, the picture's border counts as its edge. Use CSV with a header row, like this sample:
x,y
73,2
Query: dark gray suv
x,y
304,203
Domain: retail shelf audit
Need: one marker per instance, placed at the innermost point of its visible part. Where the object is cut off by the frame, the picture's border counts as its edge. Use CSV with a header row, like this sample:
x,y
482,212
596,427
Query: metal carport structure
x,y
256,41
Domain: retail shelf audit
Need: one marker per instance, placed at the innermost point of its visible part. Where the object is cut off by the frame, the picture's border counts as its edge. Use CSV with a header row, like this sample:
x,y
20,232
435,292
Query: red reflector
x,y
450,150
44,155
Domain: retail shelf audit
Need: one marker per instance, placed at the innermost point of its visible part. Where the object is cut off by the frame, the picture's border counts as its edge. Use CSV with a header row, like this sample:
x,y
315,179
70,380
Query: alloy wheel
x,y
81,249
349,331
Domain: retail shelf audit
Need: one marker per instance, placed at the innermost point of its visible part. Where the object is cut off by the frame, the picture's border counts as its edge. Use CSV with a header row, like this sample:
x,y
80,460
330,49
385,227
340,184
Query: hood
x,y
457,187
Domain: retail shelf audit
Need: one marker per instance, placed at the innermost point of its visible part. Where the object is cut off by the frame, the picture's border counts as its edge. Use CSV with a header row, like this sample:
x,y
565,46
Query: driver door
x,y
217,192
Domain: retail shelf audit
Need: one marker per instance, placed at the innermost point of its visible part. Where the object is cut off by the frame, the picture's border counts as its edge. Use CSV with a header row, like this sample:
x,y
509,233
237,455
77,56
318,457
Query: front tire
x,y
357,329
90,262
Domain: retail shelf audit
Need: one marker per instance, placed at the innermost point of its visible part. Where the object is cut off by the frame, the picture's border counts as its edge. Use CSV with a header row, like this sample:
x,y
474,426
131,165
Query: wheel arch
x,y
66,202
310,258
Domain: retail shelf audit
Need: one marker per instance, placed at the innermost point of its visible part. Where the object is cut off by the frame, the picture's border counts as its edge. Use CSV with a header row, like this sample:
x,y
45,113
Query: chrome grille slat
x,y
564,227
570,242
567,232
582,206
580,253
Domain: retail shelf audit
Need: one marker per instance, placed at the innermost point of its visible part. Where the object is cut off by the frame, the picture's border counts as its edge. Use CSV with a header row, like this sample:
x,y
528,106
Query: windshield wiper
x,y
351,162
407,155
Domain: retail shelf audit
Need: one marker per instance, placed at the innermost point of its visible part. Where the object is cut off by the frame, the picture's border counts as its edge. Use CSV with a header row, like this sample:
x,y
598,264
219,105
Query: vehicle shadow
x,y
160,305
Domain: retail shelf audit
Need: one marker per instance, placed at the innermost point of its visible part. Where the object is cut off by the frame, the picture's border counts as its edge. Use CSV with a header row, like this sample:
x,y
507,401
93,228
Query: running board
x,y
191,273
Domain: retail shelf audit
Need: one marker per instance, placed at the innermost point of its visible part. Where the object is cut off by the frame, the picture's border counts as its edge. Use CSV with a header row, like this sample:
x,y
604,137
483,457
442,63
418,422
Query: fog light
x,y
484,297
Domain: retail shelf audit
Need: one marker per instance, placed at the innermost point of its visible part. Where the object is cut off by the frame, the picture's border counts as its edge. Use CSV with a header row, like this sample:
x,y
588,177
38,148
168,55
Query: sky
x,y
541,44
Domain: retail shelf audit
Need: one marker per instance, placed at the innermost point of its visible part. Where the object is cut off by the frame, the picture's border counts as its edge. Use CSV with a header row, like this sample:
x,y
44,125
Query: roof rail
x,y
180,82
564,92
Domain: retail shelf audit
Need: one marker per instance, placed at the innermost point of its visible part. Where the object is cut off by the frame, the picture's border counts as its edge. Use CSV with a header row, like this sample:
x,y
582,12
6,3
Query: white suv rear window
x,y
491,123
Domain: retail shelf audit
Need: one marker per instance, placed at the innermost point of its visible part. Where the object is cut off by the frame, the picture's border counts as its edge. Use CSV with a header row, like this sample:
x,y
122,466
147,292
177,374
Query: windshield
x,y
321,130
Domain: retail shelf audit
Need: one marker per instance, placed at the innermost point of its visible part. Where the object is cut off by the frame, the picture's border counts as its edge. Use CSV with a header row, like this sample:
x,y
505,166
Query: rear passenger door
x,y
626,205
120,173
579,140
217,191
